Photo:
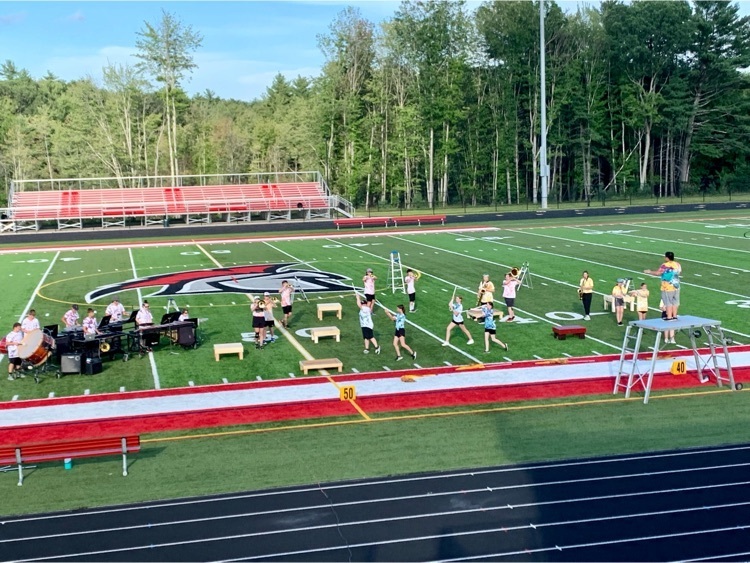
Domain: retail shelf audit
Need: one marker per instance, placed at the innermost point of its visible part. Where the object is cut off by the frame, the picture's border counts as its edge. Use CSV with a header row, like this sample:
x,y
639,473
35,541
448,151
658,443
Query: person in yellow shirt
x,y
486,291
641,301
618,295
586,292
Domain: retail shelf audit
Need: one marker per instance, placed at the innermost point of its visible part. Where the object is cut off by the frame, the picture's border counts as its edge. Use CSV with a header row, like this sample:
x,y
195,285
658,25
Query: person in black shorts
x,y
259,322
13,341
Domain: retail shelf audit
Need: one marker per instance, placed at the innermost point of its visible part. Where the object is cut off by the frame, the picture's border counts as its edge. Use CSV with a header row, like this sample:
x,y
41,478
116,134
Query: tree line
x,y
435,105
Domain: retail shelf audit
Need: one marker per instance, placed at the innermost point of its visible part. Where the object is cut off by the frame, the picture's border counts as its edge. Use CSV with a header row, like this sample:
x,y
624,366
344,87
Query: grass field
x,y
713,251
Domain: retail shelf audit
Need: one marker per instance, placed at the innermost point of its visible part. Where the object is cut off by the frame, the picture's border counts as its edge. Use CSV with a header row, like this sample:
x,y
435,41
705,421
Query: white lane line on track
x,y
152,361
399,480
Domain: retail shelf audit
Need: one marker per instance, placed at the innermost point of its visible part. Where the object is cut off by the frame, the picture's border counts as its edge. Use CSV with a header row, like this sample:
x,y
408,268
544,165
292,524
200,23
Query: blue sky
x,y
245,43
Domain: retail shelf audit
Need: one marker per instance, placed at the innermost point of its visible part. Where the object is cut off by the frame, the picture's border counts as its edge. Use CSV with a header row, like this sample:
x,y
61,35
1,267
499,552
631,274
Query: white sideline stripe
x,y
151,360
441,476
39,286
411,323
543,319
417,515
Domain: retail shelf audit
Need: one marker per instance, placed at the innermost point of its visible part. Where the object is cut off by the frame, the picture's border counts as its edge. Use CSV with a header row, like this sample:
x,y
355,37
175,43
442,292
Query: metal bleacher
x,y
73,203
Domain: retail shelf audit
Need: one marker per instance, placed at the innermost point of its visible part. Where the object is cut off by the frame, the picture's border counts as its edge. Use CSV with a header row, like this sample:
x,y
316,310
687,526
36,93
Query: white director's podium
x,y
640,372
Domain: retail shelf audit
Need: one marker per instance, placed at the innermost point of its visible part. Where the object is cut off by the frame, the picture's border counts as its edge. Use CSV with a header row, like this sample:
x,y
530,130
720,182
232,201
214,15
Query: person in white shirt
x,y
13,341
115,310
286,292
411,279
90,326
455,306
365,322
510,285
70,319
144,316
185,315
369,281
30,322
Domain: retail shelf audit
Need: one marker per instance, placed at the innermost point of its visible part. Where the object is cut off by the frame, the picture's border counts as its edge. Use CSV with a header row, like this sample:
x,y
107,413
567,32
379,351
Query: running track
x,y
683,505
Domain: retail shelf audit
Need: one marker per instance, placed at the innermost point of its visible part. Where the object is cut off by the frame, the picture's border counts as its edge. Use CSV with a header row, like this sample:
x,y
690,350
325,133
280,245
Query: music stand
x,y
52,330
105,321
131,319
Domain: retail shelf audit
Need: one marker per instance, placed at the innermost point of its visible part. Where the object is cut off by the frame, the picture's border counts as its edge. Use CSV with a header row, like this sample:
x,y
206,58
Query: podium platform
x,y
640,372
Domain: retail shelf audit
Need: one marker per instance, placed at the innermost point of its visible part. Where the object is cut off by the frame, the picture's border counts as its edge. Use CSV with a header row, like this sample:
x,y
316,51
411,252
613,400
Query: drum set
x,y
36,348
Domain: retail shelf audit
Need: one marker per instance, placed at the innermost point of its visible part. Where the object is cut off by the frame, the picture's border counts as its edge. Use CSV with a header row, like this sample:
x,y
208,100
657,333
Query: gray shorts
x,y
671,298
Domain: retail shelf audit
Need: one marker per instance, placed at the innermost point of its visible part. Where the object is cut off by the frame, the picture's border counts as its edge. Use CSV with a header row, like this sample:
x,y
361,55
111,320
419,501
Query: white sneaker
x,y
586,318
11,378
470,342
446,343
377,350
365,351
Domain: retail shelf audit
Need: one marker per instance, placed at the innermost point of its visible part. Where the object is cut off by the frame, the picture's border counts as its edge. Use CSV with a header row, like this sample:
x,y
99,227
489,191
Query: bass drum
x,y
36,347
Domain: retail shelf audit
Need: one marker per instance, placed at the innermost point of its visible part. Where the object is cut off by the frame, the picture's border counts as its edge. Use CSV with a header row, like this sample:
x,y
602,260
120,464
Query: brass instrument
x,y
417,274
514,272
104,347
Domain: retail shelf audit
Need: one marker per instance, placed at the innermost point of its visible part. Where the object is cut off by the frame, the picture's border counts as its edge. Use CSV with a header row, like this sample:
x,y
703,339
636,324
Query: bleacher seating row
x,y
194,203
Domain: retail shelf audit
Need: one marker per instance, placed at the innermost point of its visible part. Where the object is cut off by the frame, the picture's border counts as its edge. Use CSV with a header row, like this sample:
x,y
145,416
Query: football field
x,y
216,280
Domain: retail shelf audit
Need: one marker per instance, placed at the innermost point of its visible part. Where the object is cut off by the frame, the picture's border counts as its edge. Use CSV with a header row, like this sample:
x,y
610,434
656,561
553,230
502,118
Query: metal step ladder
x,y
396,273
628,365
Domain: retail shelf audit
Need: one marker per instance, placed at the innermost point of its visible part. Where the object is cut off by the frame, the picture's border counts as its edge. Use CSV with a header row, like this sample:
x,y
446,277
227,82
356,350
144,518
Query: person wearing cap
x,y
486,290
369,281
70,319
30,322
270,320
115,310
618,298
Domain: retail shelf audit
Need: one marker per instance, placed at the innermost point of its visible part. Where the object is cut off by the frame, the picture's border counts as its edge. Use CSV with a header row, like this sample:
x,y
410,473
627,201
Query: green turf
x,y
207,465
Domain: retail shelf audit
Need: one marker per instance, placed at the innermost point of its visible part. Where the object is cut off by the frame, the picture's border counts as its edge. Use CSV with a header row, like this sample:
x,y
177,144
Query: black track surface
x,y
680,505
596,210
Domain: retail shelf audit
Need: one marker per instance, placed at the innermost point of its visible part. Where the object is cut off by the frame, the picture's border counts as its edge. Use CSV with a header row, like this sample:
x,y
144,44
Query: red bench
x,y
419,219
560,332
362,221
57,451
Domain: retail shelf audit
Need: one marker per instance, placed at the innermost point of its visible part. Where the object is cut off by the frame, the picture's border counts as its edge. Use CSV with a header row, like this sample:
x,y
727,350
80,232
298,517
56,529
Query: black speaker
x,y
186,336
93,366
70,363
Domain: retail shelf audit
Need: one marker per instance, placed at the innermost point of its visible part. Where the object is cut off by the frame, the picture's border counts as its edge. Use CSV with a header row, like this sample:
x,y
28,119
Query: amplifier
x,y
93,366
70,363
186,335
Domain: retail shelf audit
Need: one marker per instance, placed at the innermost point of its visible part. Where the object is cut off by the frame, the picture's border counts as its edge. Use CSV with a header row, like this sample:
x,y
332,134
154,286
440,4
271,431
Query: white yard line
x,y
152,361
716,234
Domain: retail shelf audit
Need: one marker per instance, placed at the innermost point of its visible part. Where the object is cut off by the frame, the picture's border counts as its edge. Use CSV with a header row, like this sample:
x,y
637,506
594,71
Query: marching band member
x,y
90,326
286,292
369,281
185,315
13,340
641,301
399,337
366,324
510,285
144,316
486,289
455,305
270,320
70,319
618,297
586,292
490,328
30,322
115,310
669,272
258,310
411,280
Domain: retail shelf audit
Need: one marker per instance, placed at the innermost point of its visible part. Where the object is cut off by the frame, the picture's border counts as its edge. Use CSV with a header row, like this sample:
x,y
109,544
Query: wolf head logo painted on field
x,y
237,279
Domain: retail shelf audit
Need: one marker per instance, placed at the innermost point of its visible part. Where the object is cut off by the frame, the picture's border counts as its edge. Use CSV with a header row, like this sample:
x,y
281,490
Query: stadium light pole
x,y
544,169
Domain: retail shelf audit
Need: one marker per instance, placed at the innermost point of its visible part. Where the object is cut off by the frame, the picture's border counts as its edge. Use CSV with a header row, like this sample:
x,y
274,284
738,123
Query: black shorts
x,y
15,361
412,297
619,302
400,332
510,301
457,323
269,324
367,333
490,330
370,297
286,309
259,322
